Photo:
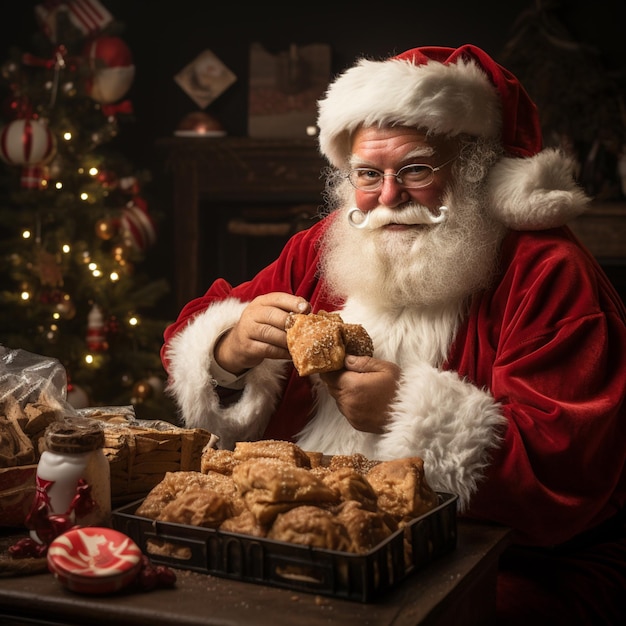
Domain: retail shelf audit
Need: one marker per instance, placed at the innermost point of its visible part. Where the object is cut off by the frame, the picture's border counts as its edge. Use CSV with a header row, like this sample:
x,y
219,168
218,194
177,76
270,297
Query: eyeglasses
x,y
413,176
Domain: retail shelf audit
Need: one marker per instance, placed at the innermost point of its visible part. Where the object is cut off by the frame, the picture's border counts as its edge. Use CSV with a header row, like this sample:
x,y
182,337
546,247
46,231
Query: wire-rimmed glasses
x,y
412,176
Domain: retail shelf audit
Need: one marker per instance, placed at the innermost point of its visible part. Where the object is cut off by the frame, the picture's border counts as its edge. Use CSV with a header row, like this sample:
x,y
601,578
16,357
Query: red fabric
x,y
549,342
521,129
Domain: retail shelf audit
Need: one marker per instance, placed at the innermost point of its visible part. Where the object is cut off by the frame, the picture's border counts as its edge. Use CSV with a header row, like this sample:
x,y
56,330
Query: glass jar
x,y
73,478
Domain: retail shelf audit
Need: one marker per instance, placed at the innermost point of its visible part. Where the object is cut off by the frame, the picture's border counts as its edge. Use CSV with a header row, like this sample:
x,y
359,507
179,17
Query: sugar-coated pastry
x,y
319,342
402,489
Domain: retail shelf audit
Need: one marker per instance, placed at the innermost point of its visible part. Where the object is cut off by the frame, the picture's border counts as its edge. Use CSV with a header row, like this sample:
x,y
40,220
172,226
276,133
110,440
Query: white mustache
x,y
382,216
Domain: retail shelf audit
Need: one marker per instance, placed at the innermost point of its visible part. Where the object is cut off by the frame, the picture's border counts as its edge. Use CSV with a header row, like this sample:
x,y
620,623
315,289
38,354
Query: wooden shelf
x,y
215,180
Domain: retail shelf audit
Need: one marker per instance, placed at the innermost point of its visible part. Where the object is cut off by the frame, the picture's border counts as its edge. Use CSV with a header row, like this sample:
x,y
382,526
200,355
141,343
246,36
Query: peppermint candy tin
x,y
94,560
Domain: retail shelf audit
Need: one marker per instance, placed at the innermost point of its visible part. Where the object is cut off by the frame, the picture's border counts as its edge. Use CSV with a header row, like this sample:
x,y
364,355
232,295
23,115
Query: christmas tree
x,y
75,221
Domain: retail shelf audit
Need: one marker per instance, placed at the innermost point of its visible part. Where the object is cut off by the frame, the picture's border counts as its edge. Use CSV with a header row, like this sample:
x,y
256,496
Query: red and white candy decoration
x,y
112,69
96,339
26,142
94,560
137,227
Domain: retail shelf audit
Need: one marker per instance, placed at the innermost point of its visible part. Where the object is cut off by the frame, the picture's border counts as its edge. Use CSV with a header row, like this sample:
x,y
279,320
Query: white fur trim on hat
x,y
537,192
446,99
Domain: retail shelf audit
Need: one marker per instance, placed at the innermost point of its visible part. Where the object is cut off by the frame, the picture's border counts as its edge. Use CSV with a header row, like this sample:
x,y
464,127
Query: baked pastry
x,y
216,460
270,487
275,489
244,524
351,485
176,484
319,342
366,528
271,449
198,507
311,526
357,340
402,489
356,461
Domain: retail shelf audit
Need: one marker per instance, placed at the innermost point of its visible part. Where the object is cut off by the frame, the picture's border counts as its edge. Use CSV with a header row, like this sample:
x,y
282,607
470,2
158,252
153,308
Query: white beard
x,y
411,289
427,266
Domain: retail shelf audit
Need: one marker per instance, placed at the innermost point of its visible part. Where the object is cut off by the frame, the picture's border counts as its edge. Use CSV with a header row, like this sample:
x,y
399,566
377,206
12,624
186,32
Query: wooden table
x,y
457,589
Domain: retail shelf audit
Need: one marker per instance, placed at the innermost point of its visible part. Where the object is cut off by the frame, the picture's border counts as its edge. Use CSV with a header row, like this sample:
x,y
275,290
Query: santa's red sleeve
x,y
549,342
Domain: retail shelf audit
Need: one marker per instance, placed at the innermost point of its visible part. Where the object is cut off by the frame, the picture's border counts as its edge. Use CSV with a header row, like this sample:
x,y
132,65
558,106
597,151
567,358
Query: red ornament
x,y
107,178
26,142
35,177
112,69
137,226
11,107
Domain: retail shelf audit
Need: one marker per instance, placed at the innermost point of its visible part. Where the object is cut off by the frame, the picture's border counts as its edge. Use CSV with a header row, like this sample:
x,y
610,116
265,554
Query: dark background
x,y
164,36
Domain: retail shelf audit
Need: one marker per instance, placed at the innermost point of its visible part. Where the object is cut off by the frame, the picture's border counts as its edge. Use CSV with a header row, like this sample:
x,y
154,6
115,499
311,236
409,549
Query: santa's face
x,y
405,251
388,150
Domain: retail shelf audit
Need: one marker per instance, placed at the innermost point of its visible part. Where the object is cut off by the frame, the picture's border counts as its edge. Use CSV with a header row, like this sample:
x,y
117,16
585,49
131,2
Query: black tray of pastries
x,y
280,559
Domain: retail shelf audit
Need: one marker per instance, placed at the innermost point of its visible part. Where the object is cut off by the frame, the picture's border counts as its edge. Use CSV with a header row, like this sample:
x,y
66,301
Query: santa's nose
x,y
392,193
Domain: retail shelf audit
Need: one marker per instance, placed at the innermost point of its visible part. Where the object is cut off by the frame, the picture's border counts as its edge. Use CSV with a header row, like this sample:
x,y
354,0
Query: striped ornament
x,y
26,142
137,227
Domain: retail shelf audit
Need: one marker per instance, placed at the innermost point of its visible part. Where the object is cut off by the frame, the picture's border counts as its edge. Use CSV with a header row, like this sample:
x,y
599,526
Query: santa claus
x,y
499,344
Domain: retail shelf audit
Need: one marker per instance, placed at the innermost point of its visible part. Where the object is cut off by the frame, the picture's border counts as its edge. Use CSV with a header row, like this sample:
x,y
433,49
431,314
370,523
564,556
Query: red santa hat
x,y
458,91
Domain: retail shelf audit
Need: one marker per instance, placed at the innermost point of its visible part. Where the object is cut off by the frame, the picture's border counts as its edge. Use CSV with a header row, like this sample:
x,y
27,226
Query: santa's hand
x,y
260,332
364,391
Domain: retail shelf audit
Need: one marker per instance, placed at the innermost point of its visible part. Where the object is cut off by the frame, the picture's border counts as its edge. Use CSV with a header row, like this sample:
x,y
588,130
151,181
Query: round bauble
x,y
112,69
26,142
137,227
109,51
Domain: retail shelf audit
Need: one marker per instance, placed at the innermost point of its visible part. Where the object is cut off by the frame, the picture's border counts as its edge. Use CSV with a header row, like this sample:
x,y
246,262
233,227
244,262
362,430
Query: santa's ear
x,y
537,192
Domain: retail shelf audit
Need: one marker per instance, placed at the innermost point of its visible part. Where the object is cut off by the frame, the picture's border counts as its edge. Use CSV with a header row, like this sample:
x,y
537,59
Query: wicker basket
x,y
139,455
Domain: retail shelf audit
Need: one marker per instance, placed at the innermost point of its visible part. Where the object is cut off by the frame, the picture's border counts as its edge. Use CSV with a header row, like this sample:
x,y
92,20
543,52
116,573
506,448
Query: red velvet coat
x,y
546,344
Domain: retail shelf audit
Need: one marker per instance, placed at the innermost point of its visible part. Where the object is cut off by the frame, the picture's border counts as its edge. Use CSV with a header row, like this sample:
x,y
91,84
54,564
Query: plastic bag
x,y
33,394
31,378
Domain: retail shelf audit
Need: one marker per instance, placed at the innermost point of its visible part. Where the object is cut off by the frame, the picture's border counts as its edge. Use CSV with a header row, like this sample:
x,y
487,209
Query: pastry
x,y
198,507
311,526
319,342
366,528
175,484
271,449
402,489
270,487
274,489
351,485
